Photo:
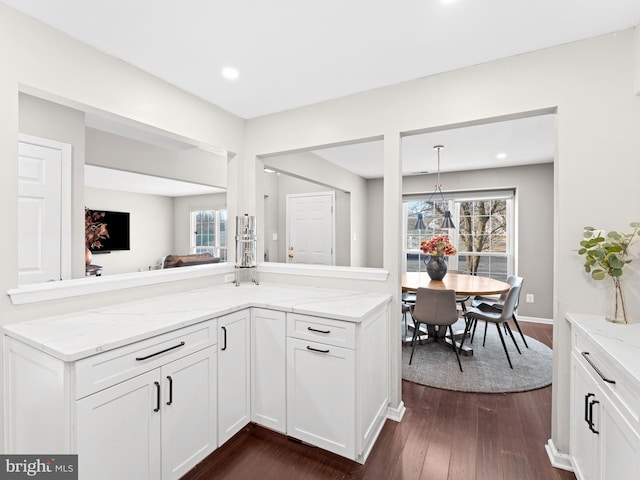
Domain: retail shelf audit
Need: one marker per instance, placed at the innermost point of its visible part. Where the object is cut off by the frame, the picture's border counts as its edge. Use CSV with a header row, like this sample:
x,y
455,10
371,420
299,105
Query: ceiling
x,y
523,141
290,54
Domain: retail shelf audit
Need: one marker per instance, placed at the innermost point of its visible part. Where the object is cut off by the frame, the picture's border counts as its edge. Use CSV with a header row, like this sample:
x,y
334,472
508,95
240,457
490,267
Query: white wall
x,y
43,62
308,165
636,53
194,165
588,83
151,229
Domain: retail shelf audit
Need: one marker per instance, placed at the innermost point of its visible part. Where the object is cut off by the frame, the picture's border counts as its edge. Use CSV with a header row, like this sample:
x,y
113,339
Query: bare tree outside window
x,y
482,235
483,230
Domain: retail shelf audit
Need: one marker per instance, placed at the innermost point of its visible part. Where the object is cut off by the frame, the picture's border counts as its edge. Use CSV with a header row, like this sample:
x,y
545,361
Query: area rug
x,y
486,371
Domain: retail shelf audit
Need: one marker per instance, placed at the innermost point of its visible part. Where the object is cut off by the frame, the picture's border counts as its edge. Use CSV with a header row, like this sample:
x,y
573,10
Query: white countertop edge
x,y
311,306
353,273
619,341
91,285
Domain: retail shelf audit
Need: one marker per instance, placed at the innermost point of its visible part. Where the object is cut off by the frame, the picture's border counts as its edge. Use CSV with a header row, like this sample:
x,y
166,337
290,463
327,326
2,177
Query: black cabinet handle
x,y
157,409
170,390
311,329
586,408
591,426
224,331
317,350
586,357
160,352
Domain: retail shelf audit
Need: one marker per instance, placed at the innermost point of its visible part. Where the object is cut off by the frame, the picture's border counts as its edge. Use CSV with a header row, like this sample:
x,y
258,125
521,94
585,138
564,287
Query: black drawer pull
x,y
157,409
586,357
224,330
170,390
586,407
161,352
311,329
591,425
317,350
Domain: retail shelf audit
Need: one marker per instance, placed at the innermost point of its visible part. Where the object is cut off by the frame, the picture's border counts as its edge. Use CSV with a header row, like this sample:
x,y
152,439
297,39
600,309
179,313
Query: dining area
x,y
440,320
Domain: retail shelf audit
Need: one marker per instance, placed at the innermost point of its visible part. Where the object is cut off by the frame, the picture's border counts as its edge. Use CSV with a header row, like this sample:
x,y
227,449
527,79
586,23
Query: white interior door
x,y
311,228
39,213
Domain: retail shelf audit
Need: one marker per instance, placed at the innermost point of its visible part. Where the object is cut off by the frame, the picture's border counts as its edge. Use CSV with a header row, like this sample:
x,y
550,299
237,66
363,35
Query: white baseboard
x,y
548,321
557,459
397,413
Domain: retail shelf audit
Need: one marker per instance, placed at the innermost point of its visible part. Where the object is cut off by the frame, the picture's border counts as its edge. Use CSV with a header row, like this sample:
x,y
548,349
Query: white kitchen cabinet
x,y
163,420
337,382
605,421
234,411
189,412
88,382
146,410
121,421
268,368
321,395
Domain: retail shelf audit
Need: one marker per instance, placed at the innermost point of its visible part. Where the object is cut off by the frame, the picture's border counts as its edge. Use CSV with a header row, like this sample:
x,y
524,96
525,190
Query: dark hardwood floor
x,y
443,435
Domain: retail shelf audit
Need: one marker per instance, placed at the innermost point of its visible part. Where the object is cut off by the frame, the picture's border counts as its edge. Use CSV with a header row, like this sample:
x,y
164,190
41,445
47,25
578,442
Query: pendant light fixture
x,y
447,222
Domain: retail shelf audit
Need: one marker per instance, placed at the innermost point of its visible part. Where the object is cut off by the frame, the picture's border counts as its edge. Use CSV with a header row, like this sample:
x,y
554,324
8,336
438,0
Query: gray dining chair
x,y
496,303
499,317
461,299
437,308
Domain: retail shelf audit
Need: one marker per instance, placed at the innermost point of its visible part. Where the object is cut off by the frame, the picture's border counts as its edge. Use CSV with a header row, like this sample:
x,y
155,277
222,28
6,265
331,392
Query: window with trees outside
x,y
209,232
483,235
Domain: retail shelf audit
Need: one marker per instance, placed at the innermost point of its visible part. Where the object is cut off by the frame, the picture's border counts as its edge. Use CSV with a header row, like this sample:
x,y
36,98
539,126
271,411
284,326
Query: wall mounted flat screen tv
x,y
118,227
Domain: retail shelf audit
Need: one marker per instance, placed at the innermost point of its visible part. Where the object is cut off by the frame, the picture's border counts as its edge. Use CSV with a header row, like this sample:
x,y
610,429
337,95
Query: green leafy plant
x,y
607,256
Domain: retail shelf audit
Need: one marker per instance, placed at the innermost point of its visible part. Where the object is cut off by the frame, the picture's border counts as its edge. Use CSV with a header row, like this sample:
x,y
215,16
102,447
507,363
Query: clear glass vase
x,y
617,308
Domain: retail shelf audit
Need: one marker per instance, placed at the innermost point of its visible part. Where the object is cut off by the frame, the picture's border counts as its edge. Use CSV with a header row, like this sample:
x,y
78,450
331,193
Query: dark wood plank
x,y
462,465
444,435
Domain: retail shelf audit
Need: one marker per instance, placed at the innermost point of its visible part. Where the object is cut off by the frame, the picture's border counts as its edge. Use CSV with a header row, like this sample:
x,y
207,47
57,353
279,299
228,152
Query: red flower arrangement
x,y
438,246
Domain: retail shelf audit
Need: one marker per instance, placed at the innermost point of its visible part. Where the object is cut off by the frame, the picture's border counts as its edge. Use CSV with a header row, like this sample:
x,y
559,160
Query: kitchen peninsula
x,y
162,382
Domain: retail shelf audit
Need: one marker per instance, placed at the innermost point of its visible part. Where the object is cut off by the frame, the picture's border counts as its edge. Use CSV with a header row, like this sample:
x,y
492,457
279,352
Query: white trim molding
x,y
548,321
396,413
41,292
557,459
352,273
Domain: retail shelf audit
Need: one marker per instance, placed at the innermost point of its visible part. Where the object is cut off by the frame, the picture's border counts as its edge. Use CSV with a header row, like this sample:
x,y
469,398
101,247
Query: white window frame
x,y
219,250
454,206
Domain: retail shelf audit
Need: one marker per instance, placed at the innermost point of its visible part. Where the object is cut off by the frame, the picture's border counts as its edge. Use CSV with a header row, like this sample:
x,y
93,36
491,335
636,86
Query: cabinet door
x,y
620,443
233,374
268,368
188,412
119,431
584,441
321,391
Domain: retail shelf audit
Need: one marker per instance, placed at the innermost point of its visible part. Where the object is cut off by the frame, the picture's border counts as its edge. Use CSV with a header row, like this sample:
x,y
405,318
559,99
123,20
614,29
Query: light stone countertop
x,y
81,334
621,342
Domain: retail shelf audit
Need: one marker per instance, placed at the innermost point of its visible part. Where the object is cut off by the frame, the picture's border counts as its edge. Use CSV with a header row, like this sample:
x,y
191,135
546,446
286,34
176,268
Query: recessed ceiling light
x,y
230,73
501,156
268,170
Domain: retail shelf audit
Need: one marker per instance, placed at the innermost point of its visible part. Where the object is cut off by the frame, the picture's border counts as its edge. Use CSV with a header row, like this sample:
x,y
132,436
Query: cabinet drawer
x,y
323,330
106,369
624,392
